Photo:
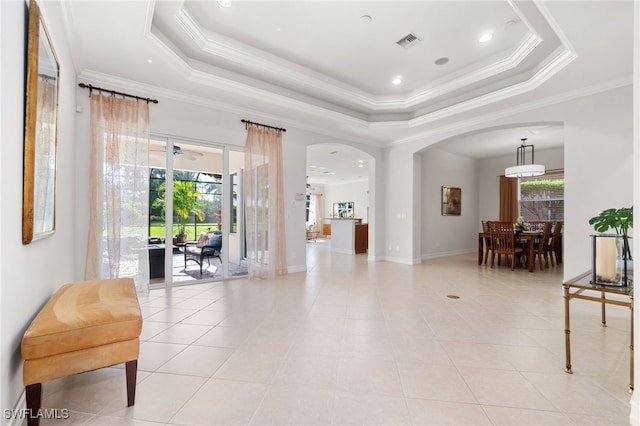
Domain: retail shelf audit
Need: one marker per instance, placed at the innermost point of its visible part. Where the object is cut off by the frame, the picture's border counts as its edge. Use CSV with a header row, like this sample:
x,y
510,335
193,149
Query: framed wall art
x,y
40,133
451,201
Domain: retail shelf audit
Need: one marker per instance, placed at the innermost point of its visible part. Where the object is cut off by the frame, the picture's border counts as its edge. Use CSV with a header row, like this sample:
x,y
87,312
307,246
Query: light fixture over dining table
x,y
522,169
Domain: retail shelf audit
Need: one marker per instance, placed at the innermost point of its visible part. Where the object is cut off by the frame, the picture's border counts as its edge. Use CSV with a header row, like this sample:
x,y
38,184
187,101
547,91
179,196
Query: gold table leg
x,y
603,321
567,332
631,350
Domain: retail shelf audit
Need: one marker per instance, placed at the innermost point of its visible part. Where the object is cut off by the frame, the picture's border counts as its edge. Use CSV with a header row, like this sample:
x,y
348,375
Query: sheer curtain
x,y
508,199
319,210
119,190
264,202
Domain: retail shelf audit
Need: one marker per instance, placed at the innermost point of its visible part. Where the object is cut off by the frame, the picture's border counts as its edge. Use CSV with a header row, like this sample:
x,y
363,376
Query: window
x,y
542,198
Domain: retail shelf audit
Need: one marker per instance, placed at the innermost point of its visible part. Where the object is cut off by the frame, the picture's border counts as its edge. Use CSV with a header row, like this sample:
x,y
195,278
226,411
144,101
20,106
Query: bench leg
x,y
34,401
132,370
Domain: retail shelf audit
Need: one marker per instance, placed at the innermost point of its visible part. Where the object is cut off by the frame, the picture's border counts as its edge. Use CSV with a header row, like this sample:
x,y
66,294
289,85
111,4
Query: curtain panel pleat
x,y
508,199
264,202
117,243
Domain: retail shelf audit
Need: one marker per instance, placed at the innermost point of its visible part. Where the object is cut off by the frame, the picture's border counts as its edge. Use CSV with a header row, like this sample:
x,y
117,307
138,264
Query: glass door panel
x,y
237,257
157,218
197,212
204,185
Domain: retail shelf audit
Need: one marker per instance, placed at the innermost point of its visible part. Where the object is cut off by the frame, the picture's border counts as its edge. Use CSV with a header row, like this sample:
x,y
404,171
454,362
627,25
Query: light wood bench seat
x,y
84,326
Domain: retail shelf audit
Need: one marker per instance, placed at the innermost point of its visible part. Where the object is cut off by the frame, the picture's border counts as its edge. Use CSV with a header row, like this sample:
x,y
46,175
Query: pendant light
x,y
522,169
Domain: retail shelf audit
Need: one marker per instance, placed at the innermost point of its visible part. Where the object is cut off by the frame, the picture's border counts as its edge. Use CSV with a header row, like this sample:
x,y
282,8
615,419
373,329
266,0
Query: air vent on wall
x,y
408,40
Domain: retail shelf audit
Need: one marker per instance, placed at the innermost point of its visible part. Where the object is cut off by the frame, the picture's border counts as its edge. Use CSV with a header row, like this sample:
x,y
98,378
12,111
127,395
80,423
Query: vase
x,y
611,264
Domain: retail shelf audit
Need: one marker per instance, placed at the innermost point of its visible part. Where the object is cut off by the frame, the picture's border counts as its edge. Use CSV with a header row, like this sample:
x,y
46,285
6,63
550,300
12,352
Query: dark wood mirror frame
x,y
40,132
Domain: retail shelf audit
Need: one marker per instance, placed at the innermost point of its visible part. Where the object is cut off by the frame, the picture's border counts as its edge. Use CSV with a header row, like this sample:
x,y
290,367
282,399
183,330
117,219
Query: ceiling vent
x,y
408,40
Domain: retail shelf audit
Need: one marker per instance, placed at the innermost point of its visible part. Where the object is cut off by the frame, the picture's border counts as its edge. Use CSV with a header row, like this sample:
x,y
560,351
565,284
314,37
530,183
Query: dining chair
x,y
541,246
503,242
487,239
554,249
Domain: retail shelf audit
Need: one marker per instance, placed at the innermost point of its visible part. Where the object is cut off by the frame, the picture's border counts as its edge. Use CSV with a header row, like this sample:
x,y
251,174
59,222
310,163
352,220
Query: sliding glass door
x,y
194,233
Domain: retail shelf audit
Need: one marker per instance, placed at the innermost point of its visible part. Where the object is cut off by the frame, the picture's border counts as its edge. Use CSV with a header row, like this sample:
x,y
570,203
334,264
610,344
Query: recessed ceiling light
x,y
224,3
396,80
486,37
441,61
360,165
360,161
365,19
150,61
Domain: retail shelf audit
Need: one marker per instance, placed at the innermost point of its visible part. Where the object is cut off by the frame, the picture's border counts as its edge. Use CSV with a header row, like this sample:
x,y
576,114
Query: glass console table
x,y
580,288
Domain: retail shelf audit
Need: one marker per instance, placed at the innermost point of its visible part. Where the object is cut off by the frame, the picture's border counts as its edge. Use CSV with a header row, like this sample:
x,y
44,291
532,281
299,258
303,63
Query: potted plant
x,y
186,201
611,260
621,220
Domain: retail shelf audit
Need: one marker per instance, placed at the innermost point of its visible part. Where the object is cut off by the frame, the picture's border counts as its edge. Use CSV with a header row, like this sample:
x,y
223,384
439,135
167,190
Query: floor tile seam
x,y
200,323
592,380
187,400
151,337
167,361
522,374
336,397
213,346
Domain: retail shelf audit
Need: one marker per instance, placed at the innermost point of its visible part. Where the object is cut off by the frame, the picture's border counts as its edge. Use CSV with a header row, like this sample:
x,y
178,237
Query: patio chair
x,y
198,254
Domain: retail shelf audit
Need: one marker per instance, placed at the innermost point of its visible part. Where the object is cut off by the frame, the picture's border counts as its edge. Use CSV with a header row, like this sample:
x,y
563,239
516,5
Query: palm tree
x,y
186,201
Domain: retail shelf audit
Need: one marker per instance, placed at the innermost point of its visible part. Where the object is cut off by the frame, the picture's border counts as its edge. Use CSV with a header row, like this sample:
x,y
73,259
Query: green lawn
x,y
157,230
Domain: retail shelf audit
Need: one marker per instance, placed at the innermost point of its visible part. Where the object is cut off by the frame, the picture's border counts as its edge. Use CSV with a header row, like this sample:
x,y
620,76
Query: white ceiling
x,y
315,65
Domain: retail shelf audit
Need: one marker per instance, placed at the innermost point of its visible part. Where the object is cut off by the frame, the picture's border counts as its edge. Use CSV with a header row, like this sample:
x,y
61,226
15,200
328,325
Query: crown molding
x,y
317,83
98,78
471,124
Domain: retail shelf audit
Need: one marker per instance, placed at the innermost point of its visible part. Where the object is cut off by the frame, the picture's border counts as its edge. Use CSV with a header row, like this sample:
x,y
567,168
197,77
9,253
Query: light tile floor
x,y
357,342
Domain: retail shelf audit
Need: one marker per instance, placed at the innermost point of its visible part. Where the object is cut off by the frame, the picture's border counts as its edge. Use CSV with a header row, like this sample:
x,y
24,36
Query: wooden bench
x,y
84,326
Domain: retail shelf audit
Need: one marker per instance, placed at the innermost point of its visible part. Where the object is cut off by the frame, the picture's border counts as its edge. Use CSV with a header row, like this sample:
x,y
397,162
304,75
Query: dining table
x,y
528,237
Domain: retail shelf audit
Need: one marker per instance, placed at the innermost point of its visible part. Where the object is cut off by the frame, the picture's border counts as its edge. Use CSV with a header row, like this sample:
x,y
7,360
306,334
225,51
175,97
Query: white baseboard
x,y
296,268
447,253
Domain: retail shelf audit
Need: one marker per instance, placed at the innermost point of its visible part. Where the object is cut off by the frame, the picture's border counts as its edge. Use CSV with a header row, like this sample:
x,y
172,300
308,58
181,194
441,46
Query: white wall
x,y
400,175
489,171
295,182
598,168
598,157
350,191
448,235
30,274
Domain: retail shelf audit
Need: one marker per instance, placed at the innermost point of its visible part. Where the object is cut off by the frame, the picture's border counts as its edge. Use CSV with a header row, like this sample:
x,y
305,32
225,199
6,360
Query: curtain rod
x,y
92,88
263,125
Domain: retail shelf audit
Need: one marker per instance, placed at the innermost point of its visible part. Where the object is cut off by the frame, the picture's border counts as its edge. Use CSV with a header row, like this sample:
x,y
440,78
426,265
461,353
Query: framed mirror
x,y
343,209
40,134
